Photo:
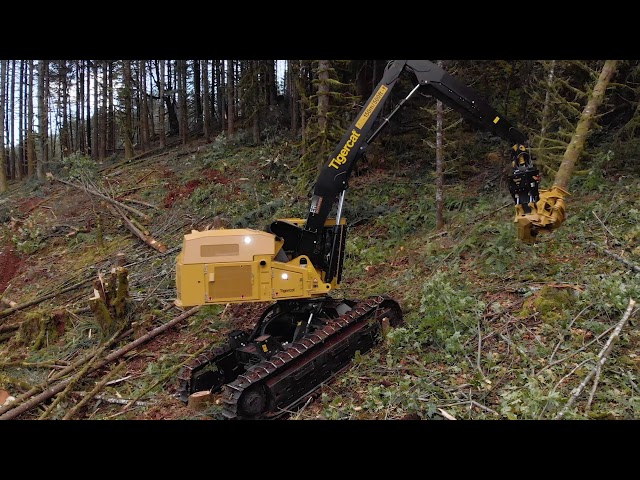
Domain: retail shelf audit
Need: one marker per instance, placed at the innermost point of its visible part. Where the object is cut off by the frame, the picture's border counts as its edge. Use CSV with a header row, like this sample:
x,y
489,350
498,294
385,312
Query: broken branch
x,y
162,248
13,411
601,359
69,415
102,196
632,266
9,311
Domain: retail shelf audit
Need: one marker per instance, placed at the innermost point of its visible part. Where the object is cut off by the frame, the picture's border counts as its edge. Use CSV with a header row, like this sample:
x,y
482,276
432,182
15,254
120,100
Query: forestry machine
x,y
306,336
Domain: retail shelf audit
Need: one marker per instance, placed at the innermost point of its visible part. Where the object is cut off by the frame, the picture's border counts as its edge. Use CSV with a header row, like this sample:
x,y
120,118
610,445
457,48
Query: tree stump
x,y
199,401
42,328
110,302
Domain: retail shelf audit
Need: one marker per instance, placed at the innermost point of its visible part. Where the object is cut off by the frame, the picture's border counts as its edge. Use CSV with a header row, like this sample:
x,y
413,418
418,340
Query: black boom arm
x,y
334,175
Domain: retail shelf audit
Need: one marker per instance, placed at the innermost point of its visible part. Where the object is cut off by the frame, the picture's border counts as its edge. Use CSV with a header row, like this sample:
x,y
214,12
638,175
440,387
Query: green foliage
x,y
531,397
448,312
494,244
594,179
219,149
80,167
610,293
30,236
208,195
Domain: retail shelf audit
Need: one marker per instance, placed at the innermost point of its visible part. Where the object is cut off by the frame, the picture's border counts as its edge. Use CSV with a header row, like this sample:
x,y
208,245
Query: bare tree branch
x,y
602,358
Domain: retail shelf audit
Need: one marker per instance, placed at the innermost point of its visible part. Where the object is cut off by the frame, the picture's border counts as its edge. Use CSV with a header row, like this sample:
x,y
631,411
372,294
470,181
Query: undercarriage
x,y
295,347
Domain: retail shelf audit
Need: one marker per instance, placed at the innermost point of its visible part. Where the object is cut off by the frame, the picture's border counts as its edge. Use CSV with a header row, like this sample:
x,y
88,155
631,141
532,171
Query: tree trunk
x,y
547,100
103,113
161,120
3,166
31,141
110,113
65,146
294,97
323,107
20,160
128,127
220,88
197,95
144,113
206,124
94,120
88,116
577,144
43,115
255,98
13,163
151,107
182,99
230,100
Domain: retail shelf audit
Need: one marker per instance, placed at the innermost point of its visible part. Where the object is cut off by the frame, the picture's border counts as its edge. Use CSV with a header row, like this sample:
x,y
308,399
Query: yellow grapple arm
x,y
546,214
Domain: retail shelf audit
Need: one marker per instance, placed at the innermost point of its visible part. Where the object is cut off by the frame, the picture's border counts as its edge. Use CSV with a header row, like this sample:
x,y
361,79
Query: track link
x,y
274,386
254,394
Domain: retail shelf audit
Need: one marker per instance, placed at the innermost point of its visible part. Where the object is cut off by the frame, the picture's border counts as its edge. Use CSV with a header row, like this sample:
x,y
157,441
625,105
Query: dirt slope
x,y
528,300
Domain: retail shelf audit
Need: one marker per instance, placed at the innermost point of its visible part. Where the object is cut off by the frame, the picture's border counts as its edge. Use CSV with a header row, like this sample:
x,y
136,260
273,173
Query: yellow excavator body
x,y
243,265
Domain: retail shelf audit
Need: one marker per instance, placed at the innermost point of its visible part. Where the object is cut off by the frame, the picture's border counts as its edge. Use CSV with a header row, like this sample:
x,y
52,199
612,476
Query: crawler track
x,y
280,383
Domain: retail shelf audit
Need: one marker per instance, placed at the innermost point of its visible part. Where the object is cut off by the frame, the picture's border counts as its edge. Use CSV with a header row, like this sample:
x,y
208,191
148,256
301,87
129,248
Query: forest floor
x,y
495,329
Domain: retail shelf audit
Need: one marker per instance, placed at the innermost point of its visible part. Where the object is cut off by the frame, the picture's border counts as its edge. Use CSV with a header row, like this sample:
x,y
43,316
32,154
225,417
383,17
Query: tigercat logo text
x,y
286,290
341,158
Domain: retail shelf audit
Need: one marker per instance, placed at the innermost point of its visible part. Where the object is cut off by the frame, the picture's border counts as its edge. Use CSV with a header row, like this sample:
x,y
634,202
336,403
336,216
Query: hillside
x,y
494,329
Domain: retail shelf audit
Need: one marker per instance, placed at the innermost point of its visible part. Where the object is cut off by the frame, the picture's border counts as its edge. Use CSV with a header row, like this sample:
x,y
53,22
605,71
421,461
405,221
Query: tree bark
x,y
95,127
22,151
153,243
161,121
145,133
43,120
128,126
13,163
88,131
3,166
199,401
576,146
197,95
230,100
103,113
31,145
220,89
180,87
206,124
439,163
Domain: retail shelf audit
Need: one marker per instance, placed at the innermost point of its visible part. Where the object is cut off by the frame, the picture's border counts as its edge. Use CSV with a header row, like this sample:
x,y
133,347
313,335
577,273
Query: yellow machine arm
x,y
545,215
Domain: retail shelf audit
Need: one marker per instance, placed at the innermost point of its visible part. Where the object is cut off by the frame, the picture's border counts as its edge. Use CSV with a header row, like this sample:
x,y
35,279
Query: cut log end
x,y
199,401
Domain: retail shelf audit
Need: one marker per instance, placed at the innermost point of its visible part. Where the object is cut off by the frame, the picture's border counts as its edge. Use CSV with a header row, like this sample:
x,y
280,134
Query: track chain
x,y
278,362
186,374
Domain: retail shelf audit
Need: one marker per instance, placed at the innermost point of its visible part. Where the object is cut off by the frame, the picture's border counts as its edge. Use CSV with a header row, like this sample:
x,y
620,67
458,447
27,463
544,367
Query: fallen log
x,y
629,264
148,239
96,193
87,398
9,311
8,412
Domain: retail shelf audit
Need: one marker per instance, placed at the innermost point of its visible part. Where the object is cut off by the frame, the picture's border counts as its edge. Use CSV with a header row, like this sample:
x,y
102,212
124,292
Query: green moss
x,y
552,303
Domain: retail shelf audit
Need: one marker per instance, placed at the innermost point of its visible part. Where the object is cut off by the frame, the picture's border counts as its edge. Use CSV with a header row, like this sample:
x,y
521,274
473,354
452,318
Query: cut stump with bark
x,y
199,401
